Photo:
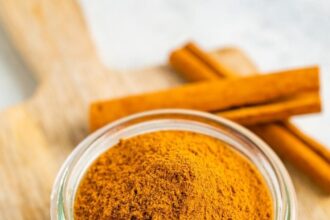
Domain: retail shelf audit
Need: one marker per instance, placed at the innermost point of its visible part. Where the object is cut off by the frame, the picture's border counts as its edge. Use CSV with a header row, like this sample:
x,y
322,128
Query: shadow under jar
x,y
236,137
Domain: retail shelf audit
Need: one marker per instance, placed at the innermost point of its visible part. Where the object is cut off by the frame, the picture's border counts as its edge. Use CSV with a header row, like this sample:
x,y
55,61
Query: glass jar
x,y
245,142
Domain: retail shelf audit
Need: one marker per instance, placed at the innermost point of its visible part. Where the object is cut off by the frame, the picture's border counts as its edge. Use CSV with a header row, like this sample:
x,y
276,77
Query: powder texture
x,y
172,175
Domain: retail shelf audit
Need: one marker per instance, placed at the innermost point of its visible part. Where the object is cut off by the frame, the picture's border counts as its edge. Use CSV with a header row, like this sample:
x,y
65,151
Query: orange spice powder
x,y
172,175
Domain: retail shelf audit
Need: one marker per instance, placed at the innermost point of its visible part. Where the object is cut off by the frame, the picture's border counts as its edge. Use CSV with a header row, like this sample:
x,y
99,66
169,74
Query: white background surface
x,y
131,34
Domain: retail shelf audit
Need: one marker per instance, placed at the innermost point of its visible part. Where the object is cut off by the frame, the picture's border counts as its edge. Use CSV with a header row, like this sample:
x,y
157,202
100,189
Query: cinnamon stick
x,y
205,96
294,150
317,147
198,71
285,138
274,111
210,62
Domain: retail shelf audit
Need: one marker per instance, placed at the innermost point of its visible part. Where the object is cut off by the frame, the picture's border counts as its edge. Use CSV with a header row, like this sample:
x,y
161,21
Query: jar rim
x,y
287,193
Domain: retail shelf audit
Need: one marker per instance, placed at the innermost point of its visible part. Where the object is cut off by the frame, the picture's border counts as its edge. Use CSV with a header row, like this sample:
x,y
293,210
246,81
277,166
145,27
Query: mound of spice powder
x,y
172,175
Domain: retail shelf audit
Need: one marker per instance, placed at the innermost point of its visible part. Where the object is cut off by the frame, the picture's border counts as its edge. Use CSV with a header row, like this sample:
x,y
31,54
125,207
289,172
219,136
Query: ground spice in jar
x,y
172,175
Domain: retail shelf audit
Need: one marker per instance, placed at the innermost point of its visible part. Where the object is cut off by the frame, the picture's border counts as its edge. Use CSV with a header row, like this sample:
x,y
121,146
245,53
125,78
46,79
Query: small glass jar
x,y
239,138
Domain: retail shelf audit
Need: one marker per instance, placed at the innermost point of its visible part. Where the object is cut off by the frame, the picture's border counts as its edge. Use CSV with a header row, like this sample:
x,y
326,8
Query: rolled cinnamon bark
x,y
213,96
274,111
294,150
317,147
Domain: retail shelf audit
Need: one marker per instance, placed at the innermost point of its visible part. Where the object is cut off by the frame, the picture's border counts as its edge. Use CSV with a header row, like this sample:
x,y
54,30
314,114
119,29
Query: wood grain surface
x,y
36,136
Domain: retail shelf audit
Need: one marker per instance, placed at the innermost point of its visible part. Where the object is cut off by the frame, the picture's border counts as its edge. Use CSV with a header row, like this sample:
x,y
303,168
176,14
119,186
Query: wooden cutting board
x,y
36,136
